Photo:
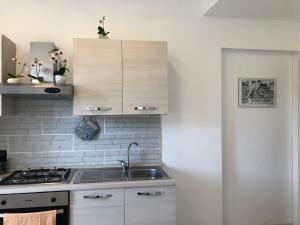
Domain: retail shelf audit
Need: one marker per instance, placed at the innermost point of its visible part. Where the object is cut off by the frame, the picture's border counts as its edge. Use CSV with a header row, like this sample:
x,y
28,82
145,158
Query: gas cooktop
x,y
38,176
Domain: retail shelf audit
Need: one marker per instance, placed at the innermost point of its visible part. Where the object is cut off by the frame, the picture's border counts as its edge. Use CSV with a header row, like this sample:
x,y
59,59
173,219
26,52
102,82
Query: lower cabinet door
x,y
97,207
150,206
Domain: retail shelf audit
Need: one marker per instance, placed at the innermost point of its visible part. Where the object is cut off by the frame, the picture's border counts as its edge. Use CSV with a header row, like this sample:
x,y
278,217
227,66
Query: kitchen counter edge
x,y
30,188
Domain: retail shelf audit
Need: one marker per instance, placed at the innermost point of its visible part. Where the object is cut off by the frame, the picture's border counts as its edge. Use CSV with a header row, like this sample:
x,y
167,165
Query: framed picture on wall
x,y
257,93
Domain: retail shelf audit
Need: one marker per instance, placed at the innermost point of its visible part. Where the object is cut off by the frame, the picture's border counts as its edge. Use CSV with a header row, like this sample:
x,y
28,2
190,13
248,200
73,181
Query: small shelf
x,y
43,90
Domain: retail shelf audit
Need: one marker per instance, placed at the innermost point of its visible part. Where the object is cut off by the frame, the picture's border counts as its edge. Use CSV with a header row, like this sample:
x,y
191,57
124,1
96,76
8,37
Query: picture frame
x,y
257,93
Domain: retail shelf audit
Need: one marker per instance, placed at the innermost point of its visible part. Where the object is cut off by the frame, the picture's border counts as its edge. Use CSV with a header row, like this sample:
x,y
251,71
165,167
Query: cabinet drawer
x,y
93,215
153,205
97,198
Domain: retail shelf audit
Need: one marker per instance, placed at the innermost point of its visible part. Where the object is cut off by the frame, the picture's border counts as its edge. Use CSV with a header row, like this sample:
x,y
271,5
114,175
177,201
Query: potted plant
x,y
15,78
60,65
101,29
36,69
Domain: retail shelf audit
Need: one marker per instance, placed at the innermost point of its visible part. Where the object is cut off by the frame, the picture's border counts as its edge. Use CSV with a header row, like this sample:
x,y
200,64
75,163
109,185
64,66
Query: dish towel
x,y
37,218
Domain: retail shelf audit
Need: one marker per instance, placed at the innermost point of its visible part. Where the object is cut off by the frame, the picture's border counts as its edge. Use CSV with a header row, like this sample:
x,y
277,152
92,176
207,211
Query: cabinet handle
x,y
97,196
103,109
145,108
155,193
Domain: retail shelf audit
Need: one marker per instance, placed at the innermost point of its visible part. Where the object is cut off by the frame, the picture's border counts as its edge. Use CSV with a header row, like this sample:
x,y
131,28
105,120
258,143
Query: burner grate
x,y
36,176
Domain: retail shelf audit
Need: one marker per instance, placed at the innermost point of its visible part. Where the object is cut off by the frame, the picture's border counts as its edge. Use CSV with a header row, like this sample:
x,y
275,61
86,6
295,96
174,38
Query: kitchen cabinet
x,y
145,77
124,206
97,207
116,77
97,77
150,205
7,52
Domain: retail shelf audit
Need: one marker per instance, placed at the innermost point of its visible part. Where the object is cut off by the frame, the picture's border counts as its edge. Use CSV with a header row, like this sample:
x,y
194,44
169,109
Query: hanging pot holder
x,y
87,129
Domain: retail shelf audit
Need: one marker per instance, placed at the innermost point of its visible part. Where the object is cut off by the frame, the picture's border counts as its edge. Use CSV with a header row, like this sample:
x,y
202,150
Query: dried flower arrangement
x,y
101,29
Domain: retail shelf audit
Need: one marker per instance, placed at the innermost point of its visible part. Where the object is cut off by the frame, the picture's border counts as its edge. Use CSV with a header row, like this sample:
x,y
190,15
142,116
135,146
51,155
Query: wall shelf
x,y
43,90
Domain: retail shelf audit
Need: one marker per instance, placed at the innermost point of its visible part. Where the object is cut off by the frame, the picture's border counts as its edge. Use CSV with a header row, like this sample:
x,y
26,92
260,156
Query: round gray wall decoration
x,y
87,129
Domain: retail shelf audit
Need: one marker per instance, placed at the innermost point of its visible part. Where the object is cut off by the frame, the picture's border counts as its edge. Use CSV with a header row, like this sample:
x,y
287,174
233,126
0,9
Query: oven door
x,y
61,218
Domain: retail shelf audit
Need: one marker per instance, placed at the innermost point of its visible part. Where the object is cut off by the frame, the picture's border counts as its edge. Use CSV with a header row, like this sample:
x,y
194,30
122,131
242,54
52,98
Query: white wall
x,y
192,130
257,142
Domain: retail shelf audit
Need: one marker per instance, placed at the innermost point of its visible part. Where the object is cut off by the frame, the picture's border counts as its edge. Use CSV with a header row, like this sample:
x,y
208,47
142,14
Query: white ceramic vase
x,y
13,80
59,79
35,81
103,37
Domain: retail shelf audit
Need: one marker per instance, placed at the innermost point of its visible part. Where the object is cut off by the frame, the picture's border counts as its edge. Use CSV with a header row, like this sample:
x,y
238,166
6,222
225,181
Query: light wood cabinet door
x,y
150,206
145,77
97,77
97,207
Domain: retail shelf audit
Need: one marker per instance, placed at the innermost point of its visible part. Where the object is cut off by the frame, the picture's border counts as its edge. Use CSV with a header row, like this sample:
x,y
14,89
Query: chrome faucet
x,y
126,165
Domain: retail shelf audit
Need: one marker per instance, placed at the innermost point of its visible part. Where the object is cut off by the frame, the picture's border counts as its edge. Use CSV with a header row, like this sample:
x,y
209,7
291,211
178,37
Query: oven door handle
x,y
58,211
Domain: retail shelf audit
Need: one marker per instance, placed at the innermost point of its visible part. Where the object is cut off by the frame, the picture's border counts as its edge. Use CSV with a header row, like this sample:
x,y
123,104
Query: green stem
x,y
18,74
36,71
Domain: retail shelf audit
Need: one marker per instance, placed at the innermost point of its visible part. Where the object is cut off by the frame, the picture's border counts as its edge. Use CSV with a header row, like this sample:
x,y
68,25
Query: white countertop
x,y
47,187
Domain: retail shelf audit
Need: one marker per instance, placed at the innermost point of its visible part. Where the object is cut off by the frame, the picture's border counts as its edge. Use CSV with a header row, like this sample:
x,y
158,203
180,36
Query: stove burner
x,y
36,176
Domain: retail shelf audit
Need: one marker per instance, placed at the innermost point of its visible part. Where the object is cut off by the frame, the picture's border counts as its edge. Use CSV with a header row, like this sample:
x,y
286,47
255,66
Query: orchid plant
x,y
101,28
36,66
59,62
17,74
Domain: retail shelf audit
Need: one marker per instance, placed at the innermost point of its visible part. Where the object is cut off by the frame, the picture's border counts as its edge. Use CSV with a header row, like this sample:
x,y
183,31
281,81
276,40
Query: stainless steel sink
x,y
98,175
116,174
146,174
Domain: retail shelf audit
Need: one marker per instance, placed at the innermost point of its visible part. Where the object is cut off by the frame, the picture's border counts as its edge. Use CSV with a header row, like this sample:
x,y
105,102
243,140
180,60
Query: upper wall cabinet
x,y
145,77
97,71
114,77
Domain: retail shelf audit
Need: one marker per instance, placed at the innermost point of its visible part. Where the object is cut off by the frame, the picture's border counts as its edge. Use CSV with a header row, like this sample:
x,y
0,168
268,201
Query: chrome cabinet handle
x,y
96,108
155,193
145,108
97,196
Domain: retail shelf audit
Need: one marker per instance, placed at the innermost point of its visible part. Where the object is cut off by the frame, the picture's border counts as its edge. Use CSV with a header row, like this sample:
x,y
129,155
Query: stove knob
x,y
3,202
53,199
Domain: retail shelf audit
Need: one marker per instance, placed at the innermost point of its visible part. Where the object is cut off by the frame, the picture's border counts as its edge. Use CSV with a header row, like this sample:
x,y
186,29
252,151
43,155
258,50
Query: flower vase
x,y
35,81
13,80
103,36
59,79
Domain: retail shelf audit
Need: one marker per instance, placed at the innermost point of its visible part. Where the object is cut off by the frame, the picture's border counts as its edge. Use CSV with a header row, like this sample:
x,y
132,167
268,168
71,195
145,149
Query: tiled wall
x,y
41,134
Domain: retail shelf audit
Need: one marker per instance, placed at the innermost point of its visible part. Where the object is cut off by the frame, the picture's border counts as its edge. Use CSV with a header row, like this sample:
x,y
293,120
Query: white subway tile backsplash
x,y
93,159
41,134
3,142
93,153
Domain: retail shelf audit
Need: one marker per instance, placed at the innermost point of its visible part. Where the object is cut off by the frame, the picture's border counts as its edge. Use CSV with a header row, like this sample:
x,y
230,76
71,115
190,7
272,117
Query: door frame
x,y
295,136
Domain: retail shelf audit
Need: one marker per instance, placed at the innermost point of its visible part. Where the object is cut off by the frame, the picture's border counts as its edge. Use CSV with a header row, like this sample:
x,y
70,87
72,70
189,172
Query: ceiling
x,y
259,9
